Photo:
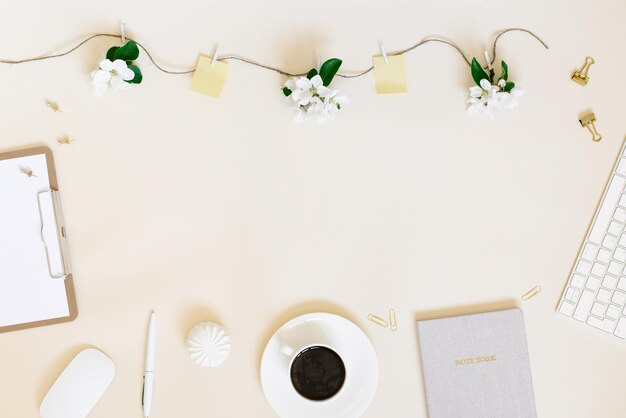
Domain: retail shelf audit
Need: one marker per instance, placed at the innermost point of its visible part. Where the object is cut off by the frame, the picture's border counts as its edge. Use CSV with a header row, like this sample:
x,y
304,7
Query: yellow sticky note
x,y
209,77
391,76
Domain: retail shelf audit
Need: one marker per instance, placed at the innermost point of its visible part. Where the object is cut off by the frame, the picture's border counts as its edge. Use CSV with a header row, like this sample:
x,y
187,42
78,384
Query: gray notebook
x,y
476,366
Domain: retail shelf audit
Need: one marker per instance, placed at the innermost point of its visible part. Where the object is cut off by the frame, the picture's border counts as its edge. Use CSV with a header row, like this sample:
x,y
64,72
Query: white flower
x,y
111,76
509,100
311,97
487,98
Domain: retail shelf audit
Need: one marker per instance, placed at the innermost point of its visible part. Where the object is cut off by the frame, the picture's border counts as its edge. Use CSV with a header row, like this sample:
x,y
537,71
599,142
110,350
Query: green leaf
x,y
505,72
111,53
138,77
509,86
287,91
128,52
478,73
311,73
329,69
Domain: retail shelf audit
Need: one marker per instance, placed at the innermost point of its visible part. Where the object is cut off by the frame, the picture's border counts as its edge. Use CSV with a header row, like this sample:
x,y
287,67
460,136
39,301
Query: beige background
x,y
224,210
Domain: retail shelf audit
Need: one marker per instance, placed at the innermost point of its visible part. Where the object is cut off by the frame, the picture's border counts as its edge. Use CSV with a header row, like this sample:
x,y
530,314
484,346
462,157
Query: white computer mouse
x,y
80,386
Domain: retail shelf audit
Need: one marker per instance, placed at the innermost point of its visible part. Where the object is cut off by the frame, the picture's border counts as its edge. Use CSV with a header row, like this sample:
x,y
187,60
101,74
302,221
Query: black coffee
x,y
317,373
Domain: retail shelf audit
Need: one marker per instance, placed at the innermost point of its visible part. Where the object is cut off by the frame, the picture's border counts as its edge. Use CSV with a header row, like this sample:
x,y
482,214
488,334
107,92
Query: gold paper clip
x,y
588,121
580,76
531,293
393,323
377,320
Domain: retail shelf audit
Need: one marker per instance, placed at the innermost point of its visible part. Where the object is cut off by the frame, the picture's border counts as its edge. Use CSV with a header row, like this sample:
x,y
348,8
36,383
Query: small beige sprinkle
x,y
54,106
27,171
65,140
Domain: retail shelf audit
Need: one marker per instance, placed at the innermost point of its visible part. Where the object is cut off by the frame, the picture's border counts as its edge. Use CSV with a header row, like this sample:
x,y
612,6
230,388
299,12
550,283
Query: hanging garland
x,y
308,93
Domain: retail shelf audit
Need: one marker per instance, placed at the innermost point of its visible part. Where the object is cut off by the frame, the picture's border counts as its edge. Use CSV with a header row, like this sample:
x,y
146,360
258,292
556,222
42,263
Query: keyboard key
x,y
579,281
622,201
613,193
593,283
584,305
620,215
621,167
598,269
572,295
604,255
598,309
614,227
613,311
609,242
609,282
567,308
620,331
590,251
606,324
622,240
604,296
615,268
620,254
583,267
621,285
619,298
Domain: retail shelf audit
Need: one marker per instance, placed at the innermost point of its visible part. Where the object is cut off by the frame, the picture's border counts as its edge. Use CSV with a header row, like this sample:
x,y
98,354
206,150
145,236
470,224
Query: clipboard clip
x,y
55,244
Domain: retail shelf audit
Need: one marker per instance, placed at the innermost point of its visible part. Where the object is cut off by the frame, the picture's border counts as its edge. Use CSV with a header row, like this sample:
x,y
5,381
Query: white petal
x,y
119,66
101,76
476,91
501,83
317,81
518,91
116,83
106,65
485,84
323,91
290,84
127,74
303,83
341,99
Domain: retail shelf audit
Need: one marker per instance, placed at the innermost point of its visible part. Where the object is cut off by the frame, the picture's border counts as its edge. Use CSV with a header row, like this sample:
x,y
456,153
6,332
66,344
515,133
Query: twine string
x,y
277,70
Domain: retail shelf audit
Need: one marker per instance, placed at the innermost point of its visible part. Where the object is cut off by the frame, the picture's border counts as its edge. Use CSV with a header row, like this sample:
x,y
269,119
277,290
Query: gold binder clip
x,y
588,121
580,76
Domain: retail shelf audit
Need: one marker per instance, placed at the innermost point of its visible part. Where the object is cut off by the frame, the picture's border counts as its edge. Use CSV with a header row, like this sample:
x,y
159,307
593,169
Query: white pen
x,y
148,376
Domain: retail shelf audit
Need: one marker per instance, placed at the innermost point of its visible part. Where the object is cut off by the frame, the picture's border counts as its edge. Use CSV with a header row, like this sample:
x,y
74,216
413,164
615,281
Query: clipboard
x,y
36,283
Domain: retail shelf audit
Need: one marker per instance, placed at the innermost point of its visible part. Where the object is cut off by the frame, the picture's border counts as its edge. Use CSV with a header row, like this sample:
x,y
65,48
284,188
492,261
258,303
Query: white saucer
x,y
348,341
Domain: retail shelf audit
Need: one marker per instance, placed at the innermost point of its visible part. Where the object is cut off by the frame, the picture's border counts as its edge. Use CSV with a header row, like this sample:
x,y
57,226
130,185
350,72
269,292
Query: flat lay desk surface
x,y
224,210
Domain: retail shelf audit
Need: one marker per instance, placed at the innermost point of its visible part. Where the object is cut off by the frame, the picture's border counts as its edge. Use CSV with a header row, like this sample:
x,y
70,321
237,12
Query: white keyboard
x,y
596,292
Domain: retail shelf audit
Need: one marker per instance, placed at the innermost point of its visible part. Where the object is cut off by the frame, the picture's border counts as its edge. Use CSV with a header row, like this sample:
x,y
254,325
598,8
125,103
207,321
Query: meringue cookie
x,y
208,344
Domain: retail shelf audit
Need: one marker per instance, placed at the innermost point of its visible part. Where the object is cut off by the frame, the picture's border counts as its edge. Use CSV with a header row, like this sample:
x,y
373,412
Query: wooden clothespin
x,y
215,55
123,32
384,53
488,58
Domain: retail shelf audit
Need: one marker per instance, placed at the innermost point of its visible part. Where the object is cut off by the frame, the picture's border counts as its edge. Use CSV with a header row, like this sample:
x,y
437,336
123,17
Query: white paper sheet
x,y
27,292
